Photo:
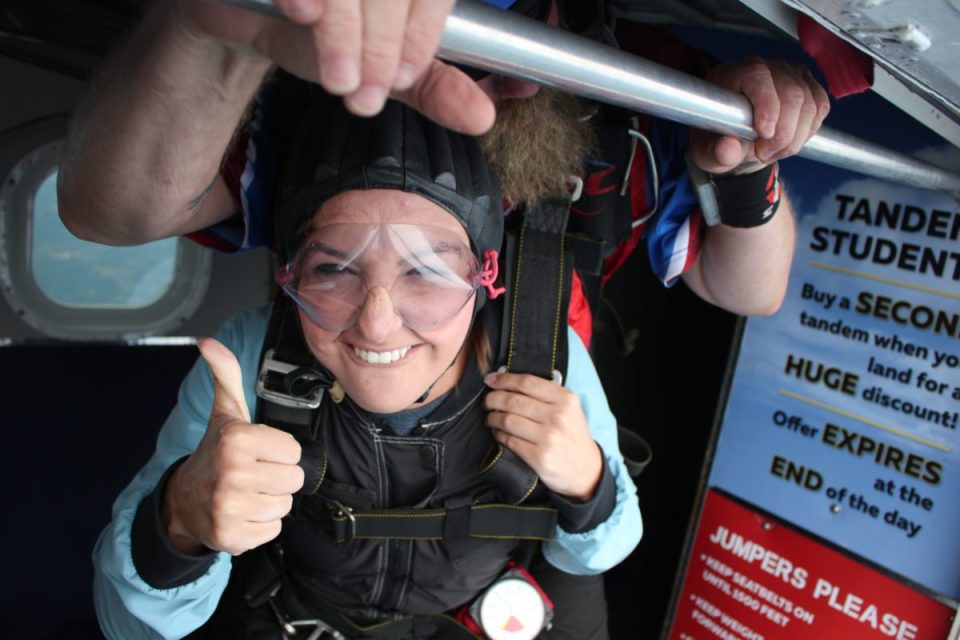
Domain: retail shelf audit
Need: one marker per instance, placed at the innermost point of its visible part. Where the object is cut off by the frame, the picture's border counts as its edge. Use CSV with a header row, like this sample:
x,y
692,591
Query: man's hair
x,y
537,143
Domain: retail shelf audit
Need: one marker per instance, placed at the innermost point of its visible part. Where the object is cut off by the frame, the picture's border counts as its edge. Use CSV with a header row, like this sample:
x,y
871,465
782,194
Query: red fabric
x,y
462,615
579,316
847,69
532,581
211,242
696,240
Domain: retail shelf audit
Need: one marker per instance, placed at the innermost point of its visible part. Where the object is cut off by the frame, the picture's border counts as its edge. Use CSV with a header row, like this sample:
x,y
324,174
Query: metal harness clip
x,y
340,513
555,376
291,628
320,631
281,396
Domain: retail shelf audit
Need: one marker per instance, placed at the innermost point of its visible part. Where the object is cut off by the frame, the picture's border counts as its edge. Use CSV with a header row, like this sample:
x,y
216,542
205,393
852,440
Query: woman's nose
x,y
378,319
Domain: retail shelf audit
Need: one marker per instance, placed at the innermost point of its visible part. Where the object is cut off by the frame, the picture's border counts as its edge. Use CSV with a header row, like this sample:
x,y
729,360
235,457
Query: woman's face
x,y
381,363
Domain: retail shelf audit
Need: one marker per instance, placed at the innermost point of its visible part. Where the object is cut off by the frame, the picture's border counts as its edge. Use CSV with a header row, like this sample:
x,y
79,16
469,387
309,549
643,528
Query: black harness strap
x,y
542,277
483,521
539,267
440,626
514,479
540,293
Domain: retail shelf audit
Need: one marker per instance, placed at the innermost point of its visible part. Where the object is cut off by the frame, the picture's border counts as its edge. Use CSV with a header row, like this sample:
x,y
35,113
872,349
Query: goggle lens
x,y
428,273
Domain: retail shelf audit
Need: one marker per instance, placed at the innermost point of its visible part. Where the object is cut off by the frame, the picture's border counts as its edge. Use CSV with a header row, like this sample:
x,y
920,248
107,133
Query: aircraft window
x,y
76,273
68,288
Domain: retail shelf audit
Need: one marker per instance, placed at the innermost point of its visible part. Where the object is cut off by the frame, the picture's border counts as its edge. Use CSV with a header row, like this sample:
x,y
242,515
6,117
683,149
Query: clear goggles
x,y
429,273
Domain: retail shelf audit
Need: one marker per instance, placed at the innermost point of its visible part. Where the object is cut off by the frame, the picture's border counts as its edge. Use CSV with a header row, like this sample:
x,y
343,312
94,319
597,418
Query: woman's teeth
x,y
384,357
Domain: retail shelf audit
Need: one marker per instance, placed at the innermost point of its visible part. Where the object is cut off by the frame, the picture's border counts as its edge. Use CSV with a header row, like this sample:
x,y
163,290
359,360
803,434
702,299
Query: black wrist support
x,y
744,200
750,199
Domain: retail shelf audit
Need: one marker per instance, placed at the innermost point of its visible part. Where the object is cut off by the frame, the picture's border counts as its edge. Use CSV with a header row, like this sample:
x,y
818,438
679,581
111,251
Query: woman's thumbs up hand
x,y
232,492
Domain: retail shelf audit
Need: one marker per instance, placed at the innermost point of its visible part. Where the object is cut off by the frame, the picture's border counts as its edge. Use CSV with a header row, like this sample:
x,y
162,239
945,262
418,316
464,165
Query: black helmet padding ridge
x,y
335,151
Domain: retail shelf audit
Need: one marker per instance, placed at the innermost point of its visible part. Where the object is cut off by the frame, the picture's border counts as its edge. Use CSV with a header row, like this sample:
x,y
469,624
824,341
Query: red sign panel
x,y
753,579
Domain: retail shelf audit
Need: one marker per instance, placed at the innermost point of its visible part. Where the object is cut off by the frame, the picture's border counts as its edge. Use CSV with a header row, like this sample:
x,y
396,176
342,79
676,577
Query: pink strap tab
x,y
283,275
489,274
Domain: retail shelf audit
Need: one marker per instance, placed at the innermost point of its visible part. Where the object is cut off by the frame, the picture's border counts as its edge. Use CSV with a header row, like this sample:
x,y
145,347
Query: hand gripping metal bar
x,y
510,44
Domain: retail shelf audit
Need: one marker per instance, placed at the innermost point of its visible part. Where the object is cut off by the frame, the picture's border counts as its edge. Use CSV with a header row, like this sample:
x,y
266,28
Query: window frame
x,y
31,153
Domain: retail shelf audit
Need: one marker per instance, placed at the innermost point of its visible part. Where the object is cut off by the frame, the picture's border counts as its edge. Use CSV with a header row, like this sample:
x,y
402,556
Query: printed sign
x,y
844,408
750,578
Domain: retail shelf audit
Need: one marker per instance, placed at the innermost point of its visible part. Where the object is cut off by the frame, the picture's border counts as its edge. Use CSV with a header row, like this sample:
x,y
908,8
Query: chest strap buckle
x,y
277,379
342,514
492,521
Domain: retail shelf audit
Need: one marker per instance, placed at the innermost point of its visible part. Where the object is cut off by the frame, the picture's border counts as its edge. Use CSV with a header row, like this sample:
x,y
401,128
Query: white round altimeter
x,y
512,609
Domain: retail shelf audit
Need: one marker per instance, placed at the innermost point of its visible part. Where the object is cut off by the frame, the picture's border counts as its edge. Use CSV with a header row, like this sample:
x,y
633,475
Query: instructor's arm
x,y
145,148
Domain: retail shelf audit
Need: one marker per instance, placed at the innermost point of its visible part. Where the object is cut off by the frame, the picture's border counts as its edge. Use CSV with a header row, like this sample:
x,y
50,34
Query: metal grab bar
x,y
504,42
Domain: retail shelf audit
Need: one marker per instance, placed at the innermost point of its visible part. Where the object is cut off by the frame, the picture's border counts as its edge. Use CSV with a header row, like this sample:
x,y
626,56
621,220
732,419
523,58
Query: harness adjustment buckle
x,y
280,396
555,376
339,513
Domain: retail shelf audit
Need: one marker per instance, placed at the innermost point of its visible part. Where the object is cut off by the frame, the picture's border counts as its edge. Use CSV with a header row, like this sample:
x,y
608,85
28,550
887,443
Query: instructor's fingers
x,y
301,11
451,99
383,24
421,39
796,113
338,38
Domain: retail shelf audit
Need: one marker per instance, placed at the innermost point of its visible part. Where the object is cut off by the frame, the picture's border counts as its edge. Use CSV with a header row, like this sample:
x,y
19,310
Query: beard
x,y
537,143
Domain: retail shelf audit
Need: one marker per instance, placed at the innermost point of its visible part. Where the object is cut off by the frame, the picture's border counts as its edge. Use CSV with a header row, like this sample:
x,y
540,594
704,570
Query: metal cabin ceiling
x,y
916,43
917,40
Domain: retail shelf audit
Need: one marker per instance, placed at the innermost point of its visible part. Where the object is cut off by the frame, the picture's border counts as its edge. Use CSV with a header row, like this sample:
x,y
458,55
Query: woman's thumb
x,y
228,396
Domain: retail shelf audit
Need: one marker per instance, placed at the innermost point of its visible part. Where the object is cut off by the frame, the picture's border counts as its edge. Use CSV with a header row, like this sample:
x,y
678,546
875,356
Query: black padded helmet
x,y
334,151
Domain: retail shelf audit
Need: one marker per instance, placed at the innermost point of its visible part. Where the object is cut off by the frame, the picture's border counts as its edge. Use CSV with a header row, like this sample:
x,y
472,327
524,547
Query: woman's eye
x,y
429,271
327,269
